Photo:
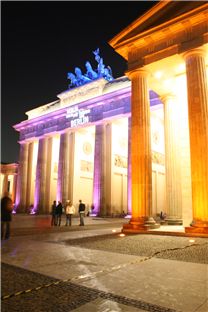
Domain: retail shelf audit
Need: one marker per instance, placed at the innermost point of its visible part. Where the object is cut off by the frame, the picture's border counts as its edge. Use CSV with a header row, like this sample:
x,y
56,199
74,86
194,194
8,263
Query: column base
x,y
173,221
93,214
194,229
138,225
200,227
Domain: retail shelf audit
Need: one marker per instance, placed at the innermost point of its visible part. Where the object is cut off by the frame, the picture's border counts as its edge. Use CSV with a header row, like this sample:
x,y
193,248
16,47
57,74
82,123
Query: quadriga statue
x,y
101,69
90,72
101,72
81,78
74,82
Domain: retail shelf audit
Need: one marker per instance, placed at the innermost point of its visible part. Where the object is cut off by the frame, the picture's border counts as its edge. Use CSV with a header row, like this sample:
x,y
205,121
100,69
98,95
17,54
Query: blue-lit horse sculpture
x,y
90,72
101,72
81,79
74,82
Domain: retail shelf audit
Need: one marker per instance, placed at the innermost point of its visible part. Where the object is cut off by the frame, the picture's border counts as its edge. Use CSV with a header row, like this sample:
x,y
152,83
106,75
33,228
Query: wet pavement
x,y
93,268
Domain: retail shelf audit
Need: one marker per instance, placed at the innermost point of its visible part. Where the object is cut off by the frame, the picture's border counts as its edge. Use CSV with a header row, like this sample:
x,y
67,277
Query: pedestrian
x,y
81,212
6,216
53,214
162,215
70,210
59,210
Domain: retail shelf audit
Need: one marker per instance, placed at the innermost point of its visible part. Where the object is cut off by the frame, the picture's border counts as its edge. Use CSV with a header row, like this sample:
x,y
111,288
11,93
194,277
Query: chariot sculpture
x,y
78,79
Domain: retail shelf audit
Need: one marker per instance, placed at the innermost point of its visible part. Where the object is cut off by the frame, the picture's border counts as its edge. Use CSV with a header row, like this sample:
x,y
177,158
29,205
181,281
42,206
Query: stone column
x,y
20,202
63,168
107,198
48,175
29,174
40,183
71,166
141,160
98,178
198,130
102,170
14,188
5,184
172,161
129,167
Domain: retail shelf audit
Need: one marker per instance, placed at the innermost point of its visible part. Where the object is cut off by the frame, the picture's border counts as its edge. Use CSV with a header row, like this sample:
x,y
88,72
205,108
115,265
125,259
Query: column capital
x,y
167,97
64,131
24,143
194,52
137,72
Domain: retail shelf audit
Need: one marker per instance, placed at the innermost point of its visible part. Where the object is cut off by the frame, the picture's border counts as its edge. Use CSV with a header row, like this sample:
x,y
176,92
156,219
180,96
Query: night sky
x,y
44,40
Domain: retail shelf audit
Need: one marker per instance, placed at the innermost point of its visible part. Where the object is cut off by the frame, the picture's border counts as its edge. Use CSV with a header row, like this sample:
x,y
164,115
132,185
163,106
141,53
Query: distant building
x,y
9,179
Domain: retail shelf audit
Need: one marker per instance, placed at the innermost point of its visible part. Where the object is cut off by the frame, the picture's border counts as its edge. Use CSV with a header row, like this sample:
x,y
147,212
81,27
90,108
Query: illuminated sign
x,y
78,116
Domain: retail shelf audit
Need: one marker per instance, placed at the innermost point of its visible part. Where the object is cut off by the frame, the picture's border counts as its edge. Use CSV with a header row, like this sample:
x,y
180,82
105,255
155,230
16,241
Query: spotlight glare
x,y
122,235
191,240
158,74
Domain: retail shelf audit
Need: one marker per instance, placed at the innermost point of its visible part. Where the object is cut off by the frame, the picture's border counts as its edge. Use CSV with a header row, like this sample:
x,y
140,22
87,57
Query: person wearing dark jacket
x,y
6,216
59,209
53,214
81,212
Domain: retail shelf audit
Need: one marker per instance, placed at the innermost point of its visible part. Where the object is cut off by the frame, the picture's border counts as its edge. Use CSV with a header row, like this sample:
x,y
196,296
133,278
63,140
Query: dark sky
x,y
43,40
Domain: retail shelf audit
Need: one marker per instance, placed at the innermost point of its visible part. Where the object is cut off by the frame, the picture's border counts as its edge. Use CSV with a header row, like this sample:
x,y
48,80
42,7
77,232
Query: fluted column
x,y
98,177
63,168
198,129
40,183
129,167
172,161
20,202
5,184
14,188
29,175
71,166
141,161
102,170
48,175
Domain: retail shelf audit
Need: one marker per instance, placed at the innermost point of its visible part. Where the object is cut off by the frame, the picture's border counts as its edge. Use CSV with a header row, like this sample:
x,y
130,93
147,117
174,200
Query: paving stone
x,y
130,273
61,297
148,245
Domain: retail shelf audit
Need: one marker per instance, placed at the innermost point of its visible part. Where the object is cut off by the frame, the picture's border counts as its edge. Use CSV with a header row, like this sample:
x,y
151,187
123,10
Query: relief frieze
x,y
158,158
86,166
120,161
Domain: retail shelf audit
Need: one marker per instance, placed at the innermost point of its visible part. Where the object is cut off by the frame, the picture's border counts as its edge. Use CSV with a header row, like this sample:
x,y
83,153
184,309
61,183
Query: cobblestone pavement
x,y
94,269
166,247
61,297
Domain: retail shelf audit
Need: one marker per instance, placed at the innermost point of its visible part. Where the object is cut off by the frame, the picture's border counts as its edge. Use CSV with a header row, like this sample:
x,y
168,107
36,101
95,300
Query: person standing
x,y
59,210
53,214
81,212
6,216
70,210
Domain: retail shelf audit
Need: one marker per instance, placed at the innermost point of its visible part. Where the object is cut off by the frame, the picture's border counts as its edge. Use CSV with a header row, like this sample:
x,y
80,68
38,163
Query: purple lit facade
x,y
56,119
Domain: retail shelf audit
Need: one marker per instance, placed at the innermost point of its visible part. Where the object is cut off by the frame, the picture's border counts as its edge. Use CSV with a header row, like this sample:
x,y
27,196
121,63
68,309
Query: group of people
x,y
57,211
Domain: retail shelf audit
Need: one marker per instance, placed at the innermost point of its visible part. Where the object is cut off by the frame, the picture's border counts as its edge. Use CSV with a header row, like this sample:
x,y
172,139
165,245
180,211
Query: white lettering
x,y
83,112
72,112
79,121
78,115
